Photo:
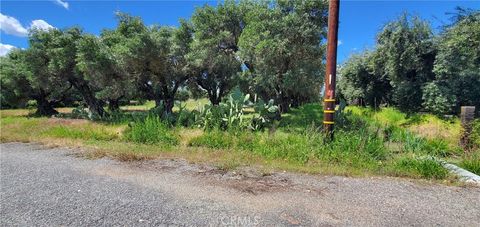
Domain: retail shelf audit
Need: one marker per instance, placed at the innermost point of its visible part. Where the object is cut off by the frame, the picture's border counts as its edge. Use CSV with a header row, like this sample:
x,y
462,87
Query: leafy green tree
x,y
408,52
213,57
25,76
14,92
282,48
457,66
361,83
99,59
156,56
62,50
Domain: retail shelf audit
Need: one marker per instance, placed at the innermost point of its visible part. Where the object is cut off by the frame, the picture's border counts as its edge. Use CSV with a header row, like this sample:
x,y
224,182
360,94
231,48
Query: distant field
x,y
393,144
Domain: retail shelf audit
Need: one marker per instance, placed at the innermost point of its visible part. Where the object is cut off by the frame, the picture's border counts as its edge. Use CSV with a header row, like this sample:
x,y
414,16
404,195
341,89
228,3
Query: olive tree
x,y
157,57
282,47
213,57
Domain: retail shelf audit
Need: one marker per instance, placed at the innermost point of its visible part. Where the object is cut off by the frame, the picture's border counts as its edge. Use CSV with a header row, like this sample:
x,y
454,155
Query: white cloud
x,y
340,42
61,3
12,26
41,25
5,49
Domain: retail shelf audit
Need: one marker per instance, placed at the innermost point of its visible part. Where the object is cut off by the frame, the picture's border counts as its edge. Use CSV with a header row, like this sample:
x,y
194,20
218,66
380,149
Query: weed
x,y
472,164
151,130
214,139
426,168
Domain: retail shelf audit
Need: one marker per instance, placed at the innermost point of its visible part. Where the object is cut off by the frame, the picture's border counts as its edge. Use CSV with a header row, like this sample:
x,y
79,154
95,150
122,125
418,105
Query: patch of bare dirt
x,y
243,179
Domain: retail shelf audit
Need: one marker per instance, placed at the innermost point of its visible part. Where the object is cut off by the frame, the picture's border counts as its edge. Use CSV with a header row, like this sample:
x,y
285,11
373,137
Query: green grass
x,y
84,133
367,142
472,164
151,130
425,168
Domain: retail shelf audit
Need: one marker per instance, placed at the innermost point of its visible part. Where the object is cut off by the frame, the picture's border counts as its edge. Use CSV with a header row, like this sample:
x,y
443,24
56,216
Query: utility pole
x,y
331,70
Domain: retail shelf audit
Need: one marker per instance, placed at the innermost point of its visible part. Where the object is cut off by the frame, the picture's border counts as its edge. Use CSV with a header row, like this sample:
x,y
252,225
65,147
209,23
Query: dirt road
x,y
52,187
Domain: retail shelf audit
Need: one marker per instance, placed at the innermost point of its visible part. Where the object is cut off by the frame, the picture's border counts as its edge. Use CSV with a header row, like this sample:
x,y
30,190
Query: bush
x,y
438,99
151,130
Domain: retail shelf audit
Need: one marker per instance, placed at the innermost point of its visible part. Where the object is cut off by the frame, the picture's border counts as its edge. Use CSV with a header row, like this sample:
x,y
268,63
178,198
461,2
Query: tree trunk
x,y
168,104
284,104
44,107
215,101
158,102
296,102
114,105
94,105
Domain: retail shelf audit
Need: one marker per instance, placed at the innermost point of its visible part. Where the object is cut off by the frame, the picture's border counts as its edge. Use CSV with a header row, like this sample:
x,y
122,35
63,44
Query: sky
x,y
359,20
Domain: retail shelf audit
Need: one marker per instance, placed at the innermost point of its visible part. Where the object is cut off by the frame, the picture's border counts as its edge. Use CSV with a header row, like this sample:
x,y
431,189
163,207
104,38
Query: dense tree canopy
x,y
213,57
269,49
415,70
282,46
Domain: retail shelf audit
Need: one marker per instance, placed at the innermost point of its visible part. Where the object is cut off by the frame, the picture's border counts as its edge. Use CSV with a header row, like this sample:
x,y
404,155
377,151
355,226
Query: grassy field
x,y
369,143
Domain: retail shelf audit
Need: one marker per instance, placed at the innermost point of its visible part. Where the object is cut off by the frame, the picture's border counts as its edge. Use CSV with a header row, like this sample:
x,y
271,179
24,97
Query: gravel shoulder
x,y
52,186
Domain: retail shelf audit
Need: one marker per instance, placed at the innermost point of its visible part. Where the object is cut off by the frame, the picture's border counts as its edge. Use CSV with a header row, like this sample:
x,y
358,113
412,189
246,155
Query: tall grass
x,y
426,168
472,163
151,130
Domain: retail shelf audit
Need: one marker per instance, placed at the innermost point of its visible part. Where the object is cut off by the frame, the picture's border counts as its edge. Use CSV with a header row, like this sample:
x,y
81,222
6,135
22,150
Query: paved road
x,y
52,187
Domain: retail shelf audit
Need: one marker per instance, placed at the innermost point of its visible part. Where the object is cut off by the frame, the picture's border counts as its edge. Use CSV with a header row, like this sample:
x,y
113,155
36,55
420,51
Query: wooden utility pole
x,y
331,70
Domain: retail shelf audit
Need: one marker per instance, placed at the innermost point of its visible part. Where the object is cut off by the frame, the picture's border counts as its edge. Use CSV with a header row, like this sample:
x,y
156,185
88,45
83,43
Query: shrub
x,y
438,99
151,130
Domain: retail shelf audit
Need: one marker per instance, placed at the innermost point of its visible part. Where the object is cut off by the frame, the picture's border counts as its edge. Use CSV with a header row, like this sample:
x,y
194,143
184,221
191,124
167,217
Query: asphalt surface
x,y
54,187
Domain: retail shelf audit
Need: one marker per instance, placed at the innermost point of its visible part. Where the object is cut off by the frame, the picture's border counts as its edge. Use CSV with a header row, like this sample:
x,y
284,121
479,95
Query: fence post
x,y
467,115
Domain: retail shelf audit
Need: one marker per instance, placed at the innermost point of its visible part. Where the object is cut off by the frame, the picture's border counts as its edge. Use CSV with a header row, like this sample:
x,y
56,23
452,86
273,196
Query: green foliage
x,y
151,130
360,84
475,135
472,164
457,65
349,148
426,168
214,139
213,55
265,114
281,47
438,99
225,116
412,69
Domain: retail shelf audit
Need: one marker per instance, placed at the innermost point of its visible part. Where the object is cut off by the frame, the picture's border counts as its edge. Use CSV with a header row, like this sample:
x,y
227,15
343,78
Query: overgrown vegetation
x,y
251,73
151,130
415,70
367,142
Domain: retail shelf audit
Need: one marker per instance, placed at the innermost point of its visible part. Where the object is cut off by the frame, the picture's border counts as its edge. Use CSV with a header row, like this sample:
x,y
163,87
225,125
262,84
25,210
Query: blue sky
x,y
359,20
